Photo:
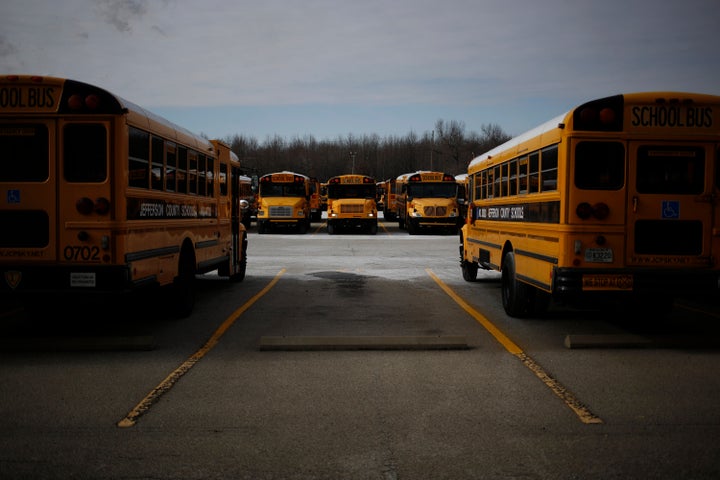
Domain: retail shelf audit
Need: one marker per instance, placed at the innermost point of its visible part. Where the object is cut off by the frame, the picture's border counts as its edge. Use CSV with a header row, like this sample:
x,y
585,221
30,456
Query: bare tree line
x,y
448,148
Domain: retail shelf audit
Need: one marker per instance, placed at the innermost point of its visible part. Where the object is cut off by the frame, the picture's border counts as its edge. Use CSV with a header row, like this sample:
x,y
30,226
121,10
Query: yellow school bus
x,y
315,204
283,201
99,197
351,203
389,206
462,195
427,200
246,193
616,199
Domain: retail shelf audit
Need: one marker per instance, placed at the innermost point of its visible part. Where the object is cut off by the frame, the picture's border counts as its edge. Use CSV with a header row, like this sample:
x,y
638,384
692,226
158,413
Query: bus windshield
x,y
351,191
432,190
282,189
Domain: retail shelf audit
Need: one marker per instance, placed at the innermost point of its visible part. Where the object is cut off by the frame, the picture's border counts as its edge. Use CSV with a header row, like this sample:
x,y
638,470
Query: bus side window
x,y
193,172
534,173
181,172
158,167
523,174
170,166
513,177
138,158
549,168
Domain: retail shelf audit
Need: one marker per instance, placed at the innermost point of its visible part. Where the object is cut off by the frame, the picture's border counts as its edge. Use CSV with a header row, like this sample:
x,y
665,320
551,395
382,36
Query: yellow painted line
x,y
583,413
164,386
696,310
382,225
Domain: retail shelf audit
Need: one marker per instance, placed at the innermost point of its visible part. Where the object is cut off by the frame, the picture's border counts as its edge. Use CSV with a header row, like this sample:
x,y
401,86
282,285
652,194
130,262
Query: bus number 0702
x,y
77,252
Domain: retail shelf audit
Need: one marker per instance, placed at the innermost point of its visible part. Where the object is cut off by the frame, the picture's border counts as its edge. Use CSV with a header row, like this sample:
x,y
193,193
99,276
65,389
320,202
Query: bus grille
x,y
281,211
24,229
668,237
433,211
351,208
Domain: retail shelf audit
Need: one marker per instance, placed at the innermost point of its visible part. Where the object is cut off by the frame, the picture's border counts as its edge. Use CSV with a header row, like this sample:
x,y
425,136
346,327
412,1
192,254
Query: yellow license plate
x,y
607,282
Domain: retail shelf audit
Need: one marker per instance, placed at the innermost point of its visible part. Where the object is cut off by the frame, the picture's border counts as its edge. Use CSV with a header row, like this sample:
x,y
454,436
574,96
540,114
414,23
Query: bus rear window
x,y
24,155
665,169
85,152
600,165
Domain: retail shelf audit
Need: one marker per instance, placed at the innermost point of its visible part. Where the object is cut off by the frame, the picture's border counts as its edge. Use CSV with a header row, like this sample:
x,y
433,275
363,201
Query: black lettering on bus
x,y
672,116
81,252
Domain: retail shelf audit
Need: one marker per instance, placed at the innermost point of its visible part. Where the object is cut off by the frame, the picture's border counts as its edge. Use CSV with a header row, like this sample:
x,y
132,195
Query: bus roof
x,y
564,119
551,124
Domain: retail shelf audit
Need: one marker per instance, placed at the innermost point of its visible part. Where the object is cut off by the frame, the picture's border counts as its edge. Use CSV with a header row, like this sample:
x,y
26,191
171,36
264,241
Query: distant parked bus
x,y
351,203
101,197
427,200
283,201
315,205
615,199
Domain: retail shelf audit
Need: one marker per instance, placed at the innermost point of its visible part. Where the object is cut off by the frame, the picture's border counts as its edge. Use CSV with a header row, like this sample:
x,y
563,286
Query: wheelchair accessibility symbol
x,y
670,209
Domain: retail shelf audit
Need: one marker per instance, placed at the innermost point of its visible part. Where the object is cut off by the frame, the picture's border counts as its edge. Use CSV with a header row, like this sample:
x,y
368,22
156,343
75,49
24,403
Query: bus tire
x,y
516,296
182,291
411,227
373,228
261,227
239,274
469,270
401,222
330,229
302,227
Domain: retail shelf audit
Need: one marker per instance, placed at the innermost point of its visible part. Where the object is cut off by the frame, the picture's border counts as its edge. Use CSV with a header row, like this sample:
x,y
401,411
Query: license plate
x,y
607,282
82,279
599,255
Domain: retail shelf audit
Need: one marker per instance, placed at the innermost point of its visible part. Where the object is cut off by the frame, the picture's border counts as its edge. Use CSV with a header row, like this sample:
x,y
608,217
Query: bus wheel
x,y
330,229
469,270
261,227
515,294
239,274
182,296
373,228
411,227
302,227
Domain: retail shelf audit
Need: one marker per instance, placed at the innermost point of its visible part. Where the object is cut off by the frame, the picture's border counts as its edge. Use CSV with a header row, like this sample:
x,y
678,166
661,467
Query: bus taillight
x,y
86,206
600,211
77,102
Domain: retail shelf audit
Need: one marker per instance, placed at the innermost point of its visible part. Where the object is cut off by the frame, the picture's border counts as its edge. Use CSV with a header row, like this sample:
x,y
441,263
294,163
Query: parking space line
x,y
164,386
583,413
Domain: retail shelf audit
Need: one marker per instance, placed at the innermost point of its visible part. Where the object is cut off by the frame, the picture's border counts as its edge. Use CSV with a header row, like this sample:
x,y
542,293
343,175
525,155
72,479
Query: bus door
x,y
29,207
235,213
84,189
670,208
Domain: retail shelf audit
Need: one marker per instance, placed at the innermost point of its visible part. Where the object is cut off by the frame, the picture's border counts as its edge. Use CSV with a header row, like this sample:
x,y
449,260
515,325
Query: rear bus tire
x,y
516,295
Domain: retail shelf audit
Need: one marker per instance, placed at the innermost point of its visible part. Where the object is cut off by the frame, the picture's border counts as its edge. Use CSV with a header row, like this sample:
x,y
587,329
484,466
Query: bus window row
x,y
530,173
160,164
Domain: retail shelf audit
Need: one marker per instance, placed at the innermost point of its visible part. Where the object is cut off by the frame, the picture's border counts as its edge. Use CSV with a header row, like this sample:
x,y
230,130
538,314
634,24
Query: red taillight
x,y
102,206
77,102
584,210
86,206
600,211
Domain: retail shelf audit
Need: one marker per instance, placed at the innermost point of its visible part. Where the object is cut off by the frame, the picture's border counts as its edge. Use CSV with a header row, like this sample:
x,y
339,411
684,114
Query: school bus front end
x,y
351,204
429,202
283,201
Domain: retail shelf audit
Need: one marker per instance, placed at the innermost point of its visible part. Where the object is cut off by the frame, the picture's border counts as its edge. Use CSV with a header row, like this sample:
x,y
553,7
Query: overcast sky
x,y
331,68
